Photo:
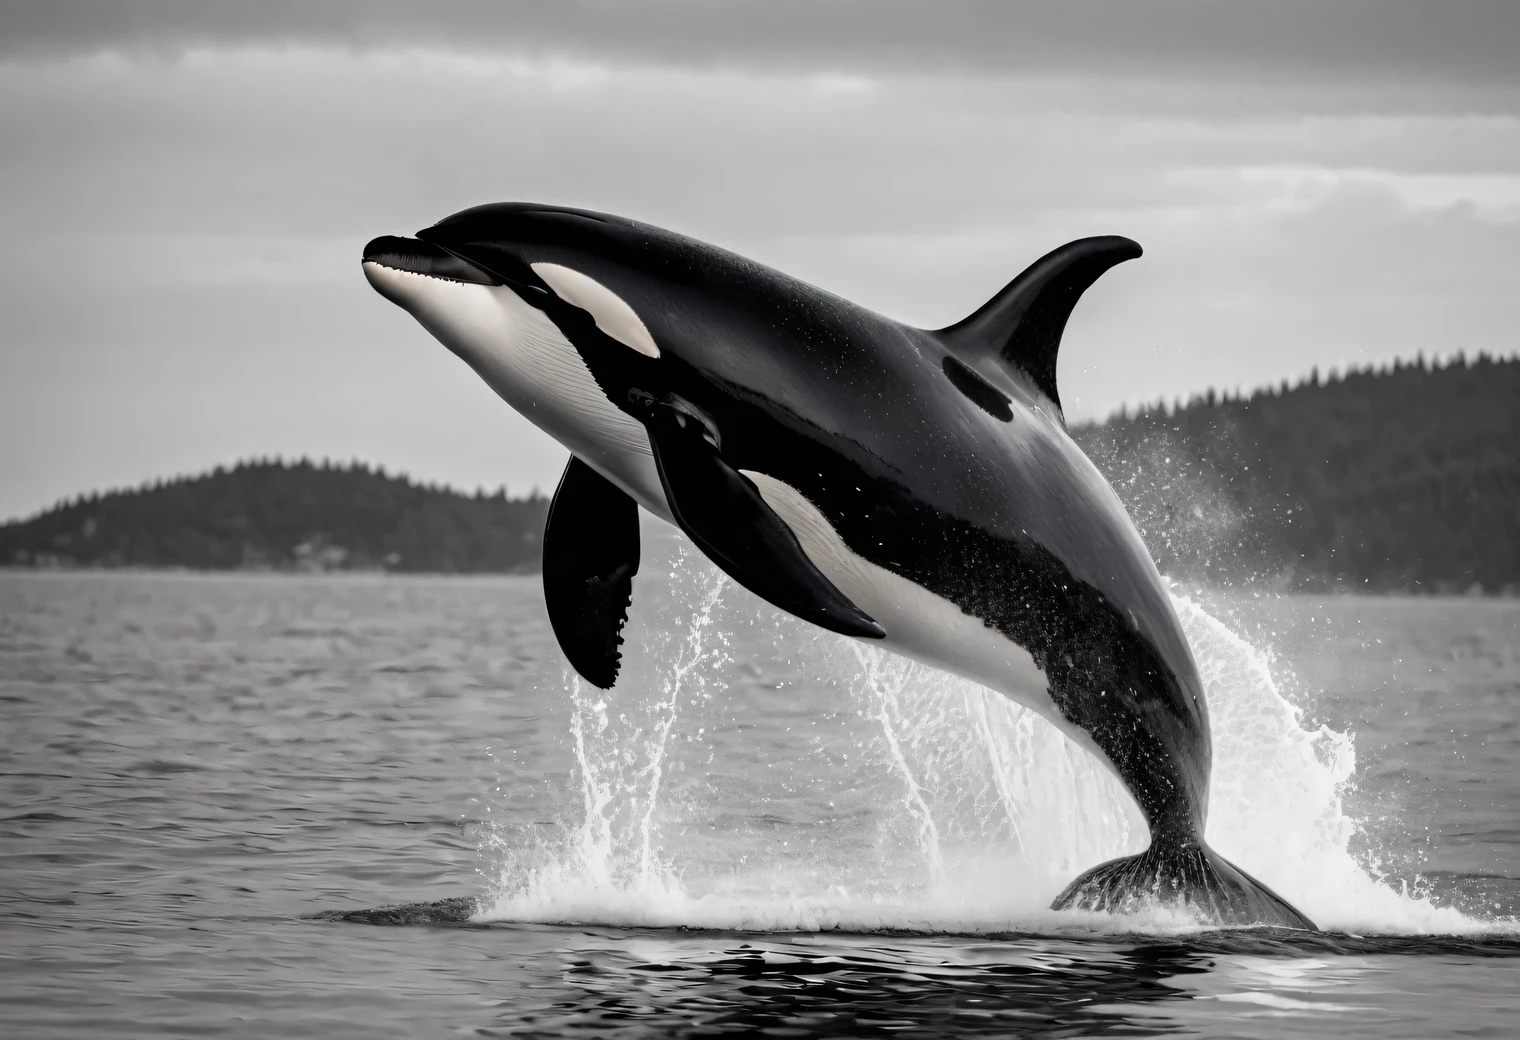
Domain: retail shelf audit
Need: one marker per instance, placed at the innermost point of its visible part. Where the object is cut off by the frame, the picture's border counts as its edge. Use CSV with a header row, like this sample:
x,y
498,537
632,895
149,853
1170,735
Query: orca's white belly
x,y
919,623
530,364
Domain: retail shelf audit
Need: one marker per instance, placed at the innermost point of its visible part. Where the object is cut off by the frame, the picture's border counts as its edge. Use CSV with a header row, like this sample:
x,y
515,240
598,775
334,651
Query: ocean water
x,y
376,806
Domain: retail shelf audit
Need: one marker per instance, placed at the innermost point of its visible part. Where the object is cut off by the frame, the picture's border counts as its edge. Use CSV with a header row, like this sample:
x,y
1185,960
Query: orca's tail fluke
x,y
1194,877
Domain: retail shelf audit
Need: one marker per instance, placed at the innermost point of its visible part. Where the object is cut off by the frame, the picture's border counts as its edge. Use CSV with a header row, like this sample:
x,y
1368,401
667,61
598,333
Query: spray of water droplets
x,y
750,771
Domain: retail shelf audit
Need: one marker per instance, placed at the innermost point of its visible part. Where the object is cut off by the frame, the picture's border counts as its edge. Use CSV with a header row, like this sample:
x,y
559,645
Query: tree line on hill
x,y
1403,478
275,515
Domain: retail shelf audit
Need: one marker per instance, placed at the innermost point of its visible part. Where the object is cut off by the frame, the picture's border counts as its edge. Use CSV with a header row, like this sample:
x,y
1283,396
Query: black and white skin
x,y
898,485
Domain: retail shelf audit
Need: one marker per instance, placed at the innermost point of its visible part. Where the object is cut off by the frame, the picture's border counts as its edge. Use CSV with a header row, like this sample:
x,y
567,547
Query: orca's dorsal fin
x,y
1023,323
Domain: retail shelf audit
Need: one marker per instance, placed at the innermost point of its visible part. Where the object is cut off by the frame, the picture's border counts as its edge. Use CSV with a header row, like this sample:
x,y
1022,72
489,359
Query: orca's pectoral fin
x,y
721,510
591,553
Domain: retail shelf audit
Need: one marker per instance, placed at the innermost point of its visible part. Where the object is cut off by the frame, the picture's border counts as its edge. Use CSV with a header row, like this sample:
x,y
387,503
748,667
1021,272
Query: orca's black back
x,y
875,424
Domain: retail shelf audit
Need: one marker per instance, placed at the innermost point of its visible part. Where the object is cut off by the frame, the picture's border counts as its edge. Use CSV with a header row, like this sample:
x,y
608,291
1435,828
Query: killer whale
x,y
909,486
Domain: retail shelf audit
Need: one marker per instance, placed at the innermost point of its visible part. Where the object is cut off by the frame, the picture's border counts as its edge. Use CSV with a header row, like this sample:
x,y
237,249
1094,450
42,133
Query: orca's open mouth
x,y
418,257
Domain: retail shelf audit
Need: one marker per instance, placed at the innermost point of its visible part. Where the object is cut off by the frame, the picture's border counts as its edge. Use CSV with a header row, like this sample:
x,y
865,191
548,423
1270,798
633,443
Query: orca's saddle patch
x,y
982,393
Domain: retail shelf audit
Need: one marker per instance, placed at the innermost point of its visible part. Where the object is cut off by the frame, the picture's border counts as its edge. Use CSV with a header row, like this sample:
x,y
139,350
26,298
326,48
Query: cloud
x,y
1403,53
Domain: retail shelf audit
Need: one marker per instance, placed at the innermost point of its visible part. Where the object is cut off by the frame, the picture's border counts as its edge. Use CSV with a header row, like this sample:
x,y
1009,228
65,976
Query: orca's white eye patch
x,y
611,312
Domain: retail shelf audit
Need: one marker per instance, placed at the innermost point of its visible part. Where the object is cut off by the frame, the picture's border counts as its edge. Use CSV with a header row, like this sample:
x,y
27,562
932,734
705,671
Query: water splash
x,y
1276,795
613,850
884,679
835,785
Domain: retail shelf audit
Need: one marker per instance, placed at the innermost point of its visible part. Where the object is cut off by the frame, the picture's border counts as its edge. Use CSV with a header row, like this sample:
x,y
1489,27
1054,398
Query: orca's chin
x,y
418,257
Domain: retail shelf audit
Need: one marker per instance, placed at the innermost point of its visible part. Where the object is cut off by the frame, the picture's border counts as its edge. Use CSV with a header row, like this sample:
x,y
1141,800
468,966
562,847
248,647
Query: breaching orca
x,y
886,482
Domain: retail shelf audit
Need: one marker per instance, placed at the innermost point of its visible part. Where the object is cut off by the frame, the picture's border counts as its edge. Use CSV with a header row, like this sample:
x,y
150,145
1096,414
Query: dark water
x,y
209,783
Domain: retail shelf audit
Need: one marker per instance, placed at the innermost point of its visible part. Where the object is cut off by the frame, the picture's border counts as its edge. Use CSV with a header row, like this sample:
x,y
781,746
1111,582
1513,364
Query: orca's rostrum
x,y
890,483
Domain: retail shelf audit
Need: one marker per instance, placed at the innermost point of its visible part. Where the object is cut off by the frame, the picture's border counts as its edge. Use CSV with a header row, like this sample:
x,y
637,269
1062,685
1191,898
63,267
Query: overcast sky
x,y
186,189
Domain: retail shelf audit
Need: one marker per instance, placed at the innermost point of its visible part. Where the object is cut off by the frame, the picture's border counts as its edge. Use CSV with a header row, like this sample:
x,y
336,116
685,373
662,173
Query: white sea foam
x,y
973,812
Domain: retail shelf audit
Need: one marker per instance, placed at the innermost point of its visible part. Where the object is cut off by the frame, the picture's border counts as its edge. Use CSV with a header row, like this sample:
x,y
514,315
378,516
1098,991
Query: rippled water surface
x,y
209,785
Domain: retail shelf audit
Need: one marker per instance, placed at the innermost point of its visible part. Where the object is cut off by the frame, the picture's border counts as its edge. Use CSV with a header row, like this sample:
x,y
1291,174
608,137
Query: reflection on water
x,y
878,988
1262,982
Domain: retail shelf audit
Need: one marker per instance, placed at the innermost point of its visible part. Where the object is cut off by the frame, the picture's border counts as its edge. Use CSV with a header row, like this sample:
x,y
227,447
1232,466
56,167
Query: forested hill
x,y
286,516
1403,478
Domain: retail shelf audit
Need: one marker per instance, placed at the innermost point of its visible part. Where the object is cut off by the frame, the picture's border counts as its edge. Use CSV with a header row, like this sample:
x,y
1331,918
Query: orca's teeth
x,y
410,254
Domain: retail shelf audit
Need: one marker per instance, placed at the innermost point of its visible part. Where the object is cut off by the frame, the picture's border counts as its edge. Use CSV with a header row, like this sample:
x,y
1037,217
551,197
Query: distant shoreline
x,y
251,572
1494,596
